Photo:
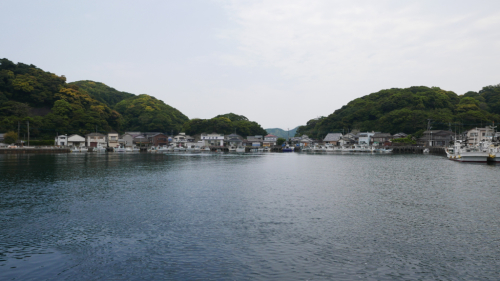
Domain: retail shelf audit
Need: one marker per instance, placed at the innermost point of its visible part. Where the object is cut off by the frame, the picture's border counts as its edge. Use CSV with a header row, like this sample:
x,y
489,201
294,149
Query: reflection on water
x,y
253,216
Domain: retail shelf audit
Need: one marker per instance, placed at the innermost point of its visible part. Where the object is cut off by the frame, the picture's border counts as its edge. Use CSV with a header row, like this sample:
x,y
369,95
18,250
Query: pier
x,y
418,149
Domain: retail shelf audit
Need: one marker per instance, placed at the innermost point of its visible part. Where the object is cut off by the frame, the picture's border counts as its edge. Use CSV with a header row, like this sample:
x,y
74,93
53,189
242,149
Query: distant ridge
x,y
280,133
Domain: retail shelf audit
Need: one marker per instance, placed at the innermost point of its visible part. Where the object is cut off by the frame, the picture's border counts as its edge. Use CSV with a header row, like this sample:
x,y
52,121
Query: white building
x,y
61,140
76,140
113,138
212,139
477,135
96,140
182,139
365,138
270,140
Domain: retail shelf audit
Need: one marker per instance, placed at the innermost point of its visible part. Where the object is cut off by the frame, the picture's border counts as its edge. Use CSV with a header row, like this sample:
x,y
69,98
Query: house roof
x,y
270,136
381,135
333,137
94,134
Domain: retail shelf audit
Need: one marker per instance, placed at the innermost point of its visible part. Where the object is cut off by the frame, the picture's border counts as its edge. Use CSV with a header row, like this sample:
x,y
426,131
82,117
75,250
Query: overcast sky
x,y
278,62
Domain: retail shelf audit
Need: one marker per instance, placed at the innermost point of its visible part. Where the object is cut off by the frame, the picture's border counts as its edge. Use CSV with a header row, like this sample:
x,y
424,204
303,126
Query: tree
x,y
280,141
10,137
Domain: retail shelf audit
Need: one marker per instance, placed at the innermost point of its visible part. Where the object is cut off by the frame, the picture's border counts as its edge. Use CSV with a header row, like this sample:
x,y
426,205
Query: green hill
x,y
280,133
49,104
224,124
102,92
148,114
53,106
407,110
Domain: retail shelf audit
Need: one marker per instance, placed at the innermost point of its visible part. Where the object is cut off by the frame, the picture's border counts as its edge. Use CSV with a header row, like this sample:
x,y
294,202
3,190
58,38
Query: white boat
x,y
482,152
266,149
231,148
384,150
84,149
152,149
135,149
306,149
205,148
100,149
75,149
119,149
319,148
425,151
240,149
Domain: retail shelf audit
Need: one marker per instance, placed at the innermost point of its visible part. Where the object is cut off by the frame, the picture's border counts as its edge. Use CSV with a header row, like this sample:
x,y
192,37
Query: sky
x,y
277,62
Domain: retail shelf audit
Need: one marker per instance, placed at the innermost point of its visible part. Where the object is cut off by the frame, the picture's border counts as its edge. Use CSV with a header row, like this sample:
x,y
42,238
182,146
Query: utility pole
x,y
18,130
28,132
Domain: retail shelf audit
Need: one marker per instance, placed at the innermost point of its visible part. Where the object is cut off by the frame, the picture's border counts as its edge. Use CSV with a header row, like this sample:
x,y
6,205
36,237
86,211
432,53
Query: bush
x,y
39,142
10,137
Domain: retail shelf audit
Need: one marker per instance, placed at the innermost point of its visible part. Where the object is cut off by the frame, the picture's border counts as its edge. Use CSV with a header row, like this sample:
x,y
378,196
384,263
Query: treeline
x,y
407,110
224,124
52,106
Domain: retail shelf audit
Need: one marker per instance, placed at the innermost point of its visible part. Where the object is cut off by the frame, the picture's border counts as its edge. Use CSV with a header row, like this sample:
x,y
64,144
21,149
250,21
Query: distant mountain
x,y
280,133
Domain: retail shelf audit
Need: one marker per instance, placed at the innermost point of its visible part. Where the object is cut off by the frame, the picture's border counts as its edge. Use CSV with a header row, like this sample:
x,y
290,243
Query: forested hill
x,y
224,124
280,133
102,92
407,110
52,106
140,113
49,104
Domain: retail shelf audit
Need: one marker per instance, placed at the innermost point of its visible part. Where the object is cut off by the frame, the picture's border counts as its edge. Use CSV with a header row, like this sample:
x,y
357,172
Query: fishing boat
x,y
482,152
100,149
287,148
119,149
240,149
84,149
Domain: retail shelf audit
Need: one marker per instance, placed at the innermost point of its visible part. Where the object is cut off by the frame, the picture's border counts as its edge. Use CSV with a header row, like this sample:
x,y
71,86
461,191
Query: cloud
x,y
348,41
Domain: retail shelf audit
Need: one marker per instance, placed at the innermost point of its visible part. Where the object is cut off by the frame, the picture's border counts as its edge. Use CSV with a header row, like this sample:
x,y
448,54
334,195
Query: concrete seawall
x,y
24,150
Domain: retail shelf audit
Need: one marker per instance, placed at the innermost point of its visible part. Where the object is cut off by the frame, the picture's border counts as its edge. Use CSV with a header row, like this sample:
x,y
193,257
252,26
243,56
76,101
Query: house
x,y
61,140
303,140
381,138
212,139
436,138
233,140
76,140
182,139
127,140
348,139
113,139
158,139
399,136
477,135
270,140
333,138
95,140
254,140
365,138
140,140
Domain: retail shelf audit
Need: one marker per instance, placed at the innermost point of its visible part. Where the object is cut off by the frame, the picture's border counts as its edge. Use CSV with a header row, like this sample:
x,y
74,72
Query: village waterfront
x,y
261,216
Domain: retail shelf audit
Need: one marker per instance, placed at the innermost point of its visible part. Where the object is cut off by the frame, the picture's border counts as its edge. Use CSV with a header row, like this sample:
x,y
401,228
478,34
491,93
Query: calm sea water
x,y
248,217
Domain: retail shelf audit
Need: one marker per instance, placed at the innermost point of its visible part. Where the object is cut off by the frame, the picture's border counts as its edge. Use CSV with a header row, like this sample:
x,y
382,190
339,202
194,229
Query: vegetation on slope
x,y
407,110
102,92
148,114
280,133
224,124
48,103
